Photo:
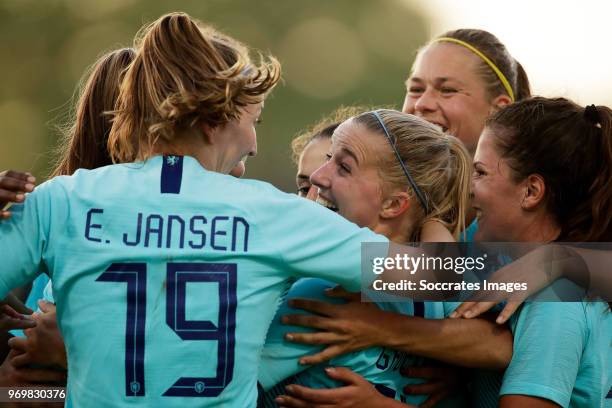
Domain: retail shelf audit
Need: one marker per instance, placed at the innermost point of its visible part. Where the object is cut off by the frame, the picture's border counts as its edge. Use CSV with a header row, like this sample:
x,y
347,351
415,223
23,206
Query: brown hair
x,y
84,138
571,148
497,52
185,75
438,163
324,128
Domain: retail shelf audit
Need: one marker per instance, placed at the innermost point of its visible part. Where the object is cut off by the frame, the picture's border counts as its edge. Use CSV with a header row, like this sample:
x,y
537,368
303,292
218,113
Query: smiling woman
x,y
369,185
543,173
460,78
310,148
432,172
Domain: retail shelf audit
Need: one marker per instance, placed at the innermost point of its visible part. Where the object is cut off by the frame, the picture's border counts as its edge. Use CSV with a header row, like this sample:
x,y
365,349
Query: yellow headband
x,y
476,51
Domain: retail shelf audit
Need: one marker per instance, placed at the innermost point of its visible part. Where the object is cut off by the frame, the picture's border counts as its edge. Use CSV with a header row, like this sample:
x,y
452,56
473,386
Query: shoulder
x,y
99,178
547,314
544,326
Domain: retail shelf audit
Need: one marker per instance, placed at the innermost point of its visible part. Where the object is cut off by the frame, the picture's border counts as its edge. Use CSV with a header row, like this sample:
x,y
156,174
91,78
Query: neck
x,y
398,231
541,228
190,143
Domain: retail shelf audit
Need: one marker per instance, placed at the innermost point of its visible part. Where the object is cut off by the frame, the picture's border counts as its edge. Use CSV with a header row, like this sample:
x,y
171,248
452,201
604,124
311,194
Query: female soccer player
x,y
133,241
529,154
83,145
460,78
309,149
364,164
456,82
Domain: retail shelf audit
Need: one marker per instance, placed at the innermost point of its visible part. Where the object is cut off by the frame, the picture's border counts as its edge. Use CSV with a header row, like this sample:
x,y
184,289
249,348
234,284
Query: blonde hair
x,y
184,75
323,128
438,163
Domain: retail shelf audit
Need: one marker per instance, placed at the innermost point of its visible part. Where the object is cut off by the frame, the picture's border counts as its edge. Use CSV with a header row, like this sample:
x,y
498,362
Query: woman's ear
x,y
209,133
500,101
395,205
535,190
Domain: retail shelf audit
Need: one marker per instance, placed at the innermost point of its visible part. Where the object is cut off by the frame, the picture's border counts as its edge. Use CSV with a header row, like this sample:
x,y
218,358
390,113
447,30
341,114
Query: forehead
x,y
313,155
446,60
318,146
365,144
485,152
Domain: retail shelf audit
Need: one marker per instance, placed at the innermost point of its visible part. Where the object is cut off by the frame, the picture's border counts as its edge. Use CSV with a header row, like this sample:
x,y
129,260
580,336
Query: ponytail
x,y
185,75
438,164
601,188
522,87
453,207
571,148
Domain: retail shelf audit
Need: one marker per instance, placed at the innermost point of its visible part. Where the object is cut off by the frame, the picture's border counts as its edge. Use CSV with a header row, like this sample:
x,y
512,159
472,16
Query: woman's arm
x,y
355,326
523,401
356,393
588,268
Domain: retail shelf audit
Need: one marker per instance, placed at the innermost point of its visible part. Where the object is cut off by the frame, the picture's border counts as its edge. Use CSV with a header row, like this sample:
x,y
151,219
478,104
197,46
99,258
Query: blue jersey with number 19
x,y
166,276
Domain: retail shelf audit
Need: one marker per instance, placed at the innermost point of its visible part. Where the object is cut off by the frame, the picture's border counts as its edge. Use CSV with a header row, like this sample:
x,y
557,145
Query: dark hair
x,y
84,138
496,51
572,151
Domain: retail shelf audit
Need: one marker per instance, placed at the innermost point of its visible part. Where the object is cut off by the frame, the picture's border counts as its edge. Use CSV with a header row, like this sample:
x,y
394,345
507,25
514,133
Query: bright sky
x,y
565,46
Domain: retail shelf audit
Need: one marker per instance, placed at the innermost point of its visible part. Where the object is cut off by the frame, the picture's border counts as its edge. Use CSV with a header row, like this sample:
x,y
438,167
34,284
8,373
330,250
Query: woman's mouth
x,y
327,204
444,128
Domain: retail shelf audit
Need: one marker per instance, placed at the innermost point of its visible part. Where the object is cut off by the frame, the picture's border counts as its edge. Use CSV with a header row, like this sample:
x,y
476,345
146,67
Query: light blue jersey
x,y
378,365
563,353
470,231
166,276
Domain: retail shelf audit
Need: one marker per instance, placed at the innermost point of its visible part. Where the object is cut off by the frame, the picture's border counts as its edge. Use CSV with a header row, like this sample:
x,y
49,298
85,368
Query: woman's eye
x,y
478,173
345,168
447,90
258,121
328,157
415,90
303,191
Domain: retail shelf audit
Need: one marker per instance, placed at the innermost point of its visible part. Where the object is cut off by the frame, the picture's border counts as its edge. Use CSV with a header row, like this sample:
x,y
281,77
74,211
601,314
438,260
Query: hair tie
x,y
591,114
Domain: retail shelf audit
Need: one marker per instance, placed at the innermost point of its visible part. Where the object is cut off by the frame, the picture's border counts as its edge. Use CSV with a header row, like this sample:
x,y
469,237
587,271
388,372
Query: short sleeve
x,y
549,338
316,242
23,239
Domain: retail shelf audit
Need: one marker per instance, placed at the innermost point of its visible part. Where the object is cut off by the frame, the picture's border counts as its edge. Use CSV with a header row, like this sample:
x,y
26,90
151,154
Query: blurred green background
x,y
333,53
